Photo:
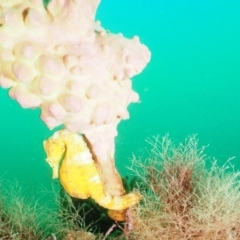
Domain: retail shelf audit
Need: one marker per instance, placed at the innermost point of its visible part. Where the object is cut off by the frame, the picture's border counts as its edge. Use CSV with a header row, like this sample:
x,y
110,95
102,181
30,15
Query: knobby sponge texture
x,y
61,60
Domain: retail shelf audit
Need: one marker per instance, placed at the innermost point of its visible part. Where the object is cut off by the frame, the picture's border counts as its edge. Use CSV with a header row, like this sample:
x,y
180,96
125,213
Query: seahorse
x,y
71,160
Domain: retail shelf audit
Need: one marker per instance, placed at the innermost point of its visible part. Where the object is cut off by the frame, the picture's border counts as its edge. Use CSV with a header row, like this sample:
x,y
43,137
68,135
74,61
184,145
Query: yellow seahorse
x,y
79,175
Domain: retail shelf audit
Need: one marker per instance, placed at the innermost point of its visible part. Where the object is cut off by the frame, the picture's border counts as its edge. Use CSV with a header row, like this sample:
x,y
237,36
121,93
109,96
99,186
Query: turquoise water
x,y
191,86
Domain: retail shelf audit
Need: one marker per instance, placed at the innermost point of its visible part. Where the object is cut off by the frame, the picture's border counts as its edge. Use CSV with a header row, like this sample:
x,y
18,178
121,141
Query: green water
x,y
191,85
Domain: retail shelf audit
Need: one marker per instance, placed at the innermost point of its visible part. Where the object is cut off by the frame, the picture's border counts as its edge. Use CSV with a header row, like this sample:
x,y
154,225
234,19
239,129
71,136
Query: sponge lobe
x,y
61,60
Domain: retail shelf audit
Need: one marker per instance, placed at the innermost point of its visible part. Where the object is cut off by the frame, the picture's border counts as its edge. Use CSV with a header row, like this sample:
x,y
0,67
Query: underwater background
x,y
191,86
